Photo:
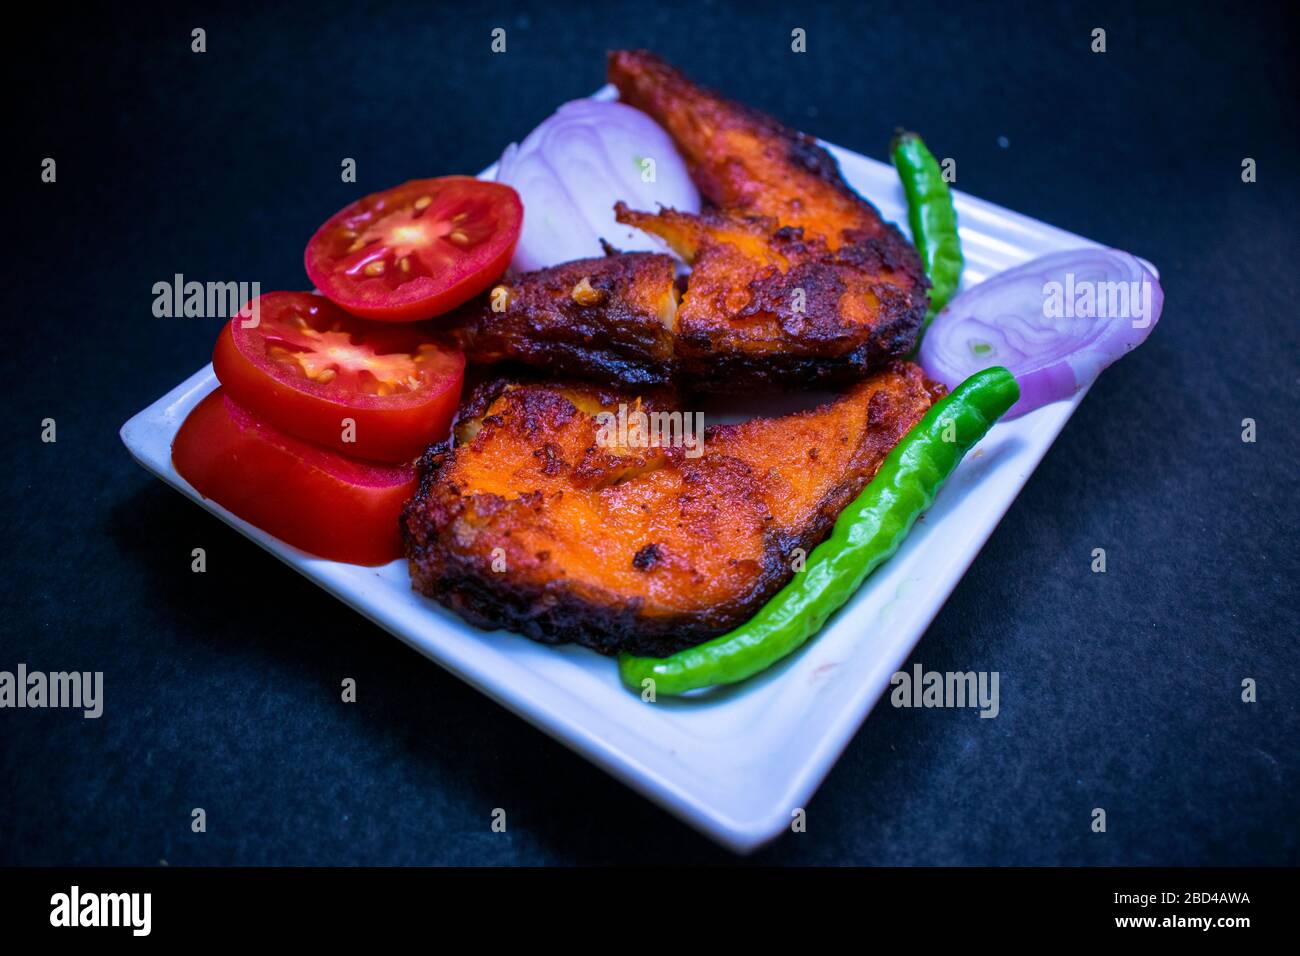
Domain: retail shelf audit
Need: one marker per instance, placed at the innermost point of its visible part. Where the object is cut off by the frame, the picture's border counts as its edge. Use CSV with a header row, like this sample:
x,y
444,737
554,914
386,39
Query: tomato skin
x,y
392,429
451,263
324,503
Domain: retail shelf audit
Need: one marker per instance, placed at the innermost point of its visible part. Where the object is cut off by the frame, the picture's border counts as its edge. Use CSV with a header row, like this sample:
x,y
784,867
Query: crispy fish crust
x,y
766,306
622,547
749,164
612,319
796,281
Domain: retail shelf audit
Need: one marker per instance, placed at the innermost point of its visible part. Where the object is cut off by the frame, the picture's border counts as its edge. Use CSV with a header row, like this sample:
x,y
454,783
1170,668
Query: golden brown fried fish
x,y
548,519
796,280
766,306
746,162
611,319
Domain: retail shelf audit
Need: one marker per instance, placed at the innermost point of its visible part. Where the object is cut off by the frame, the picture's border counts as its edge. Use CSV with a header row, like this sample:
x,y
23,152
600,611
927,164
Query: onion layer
x,y
571,170
1054,322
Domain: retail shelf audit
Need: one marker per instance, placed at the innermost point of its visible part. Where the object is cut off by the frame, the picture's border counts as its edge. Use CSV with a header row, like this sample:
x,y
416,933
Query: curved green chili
x,y
866,534
932,217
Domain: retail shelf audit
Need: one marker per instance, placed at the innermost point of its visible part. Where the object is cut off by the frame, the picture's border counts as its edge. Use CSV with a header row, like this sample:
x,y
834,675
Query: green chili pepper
x,y
933,219
866,534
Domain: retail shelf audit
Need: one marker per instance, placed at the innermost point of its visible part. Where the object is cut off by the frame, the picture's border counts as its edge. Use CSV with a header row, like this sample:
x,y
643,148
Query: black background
x,y
1119,690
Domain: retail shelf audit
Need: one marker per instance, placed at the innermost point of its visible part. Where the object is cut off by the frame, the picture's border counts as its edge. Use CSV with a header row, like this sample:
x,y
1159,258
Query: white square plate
x,y
736,763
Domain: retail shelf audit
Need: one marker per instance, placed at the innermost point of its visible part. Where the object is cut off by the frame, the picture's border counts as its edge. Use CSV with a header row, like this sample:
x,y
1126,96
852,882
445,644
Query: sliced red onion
x,y
571,170
1054,322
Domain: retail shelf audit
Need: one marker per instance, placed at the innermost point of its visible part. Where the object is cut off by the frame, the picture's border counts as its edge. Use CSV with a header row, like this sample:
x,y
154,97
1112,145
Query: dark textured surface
x,y
1118,690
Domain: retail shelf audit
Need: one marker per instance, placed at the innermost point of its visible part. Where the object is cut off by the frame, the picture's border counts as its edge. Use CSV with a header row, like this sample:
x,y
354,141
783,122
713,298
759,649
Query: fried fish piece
x,y
796,281
611,318
796,278
766,306
748,163
547,518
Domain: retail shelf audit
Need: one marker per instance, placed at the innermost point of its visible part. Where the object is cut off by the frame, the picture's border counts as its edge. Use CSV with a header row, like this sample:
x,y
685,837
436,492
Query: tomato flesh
x,y
416,250
310,369
324,503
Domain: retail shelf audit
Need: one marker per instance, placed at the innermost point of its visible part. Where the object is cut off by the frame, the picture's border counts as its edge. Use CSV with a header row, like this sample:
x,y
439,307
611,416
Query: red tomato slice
x,y
316,500
416,250
307,367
